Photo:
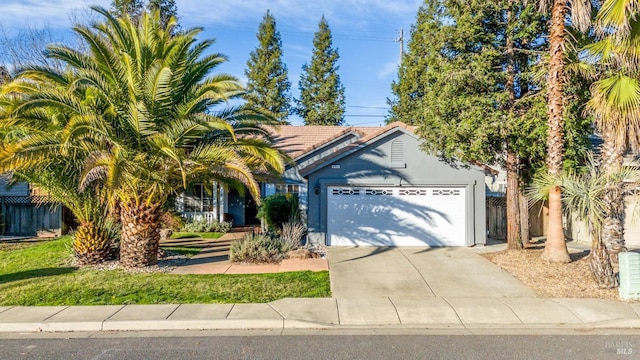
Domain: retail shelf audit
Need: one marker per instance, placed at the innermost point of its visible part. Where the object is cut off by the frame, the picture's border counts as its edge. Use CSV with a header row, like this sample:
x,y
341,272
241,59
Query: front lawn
x,y
196,235
41,275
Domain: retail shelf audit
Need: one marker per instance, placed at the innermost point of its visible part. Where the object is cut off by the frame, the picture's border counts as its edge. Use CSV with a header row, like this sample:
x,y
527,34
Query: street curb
x,y
287,324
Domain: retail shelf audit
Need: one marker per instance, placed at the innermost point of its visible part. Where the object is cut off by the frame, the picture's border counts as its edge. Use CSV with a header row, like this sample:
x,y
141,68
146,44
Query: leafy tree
x,y
268,84
26,46
148,118
167,9
321,92
467,82
135,8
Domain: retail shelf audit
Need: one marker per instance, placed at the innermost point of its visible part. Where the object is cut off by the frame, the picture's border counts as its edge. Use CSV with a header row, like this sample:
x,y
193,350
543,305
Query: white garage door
x,y
396,216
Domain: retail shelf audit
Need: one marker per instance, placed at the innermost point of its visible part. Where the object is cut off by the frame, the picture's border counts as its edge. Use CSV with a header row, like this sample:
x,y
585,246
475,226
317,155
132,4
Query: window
x,y
288,189
198,198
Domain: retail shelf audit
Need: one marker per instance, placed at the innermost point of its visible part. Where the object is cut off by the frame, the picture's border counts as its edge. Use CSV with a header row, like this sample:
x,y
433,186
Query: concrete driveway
x,y
416,272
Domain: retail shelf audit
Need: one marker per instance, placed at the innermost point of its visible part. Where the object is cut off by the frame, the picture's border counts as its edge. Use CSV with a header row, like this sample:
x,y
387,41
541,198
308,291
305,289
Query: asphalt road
x,y
131,346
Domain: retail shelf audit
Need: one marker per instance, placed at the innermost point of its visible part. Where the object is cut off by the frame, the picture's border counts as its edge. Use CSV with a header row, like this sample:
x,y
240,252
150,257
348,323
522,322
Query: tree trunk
x,y
514,242
140,235
600,265
92,245
524,217
613,199
555,251
555,247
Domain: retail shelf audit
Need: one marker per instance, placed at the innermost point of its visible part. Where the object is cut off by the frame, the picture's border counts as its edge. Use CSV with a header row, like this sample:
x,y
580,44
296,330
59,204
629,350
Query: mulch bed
x,y
571,280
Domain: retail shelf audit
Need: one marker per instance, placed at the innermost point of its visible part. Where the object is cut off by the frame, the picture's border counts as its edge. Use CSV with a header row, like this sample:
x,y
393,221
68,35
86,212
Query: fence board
x,y
497,218
19,216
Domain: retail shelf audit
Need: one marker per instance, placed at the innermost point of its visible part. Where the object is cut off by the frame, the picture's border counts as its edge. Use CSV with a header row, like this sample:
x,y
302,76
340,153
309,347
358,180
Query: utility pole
x,y
400,39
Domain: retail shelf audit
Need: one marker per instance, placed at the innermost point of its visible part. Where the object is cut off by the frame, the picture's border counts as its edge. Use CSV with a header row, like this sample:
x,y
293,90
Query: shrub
x,y
196,226
206,226
292,233
171,220
221,226
278,209
258,248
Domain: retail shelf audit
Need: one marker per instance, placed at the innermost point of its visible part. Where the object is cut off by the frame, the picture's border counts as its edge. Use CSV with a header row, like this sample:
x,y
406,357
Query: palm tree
x,y
555,248
30,151
95,240
148,118
584,198
615,104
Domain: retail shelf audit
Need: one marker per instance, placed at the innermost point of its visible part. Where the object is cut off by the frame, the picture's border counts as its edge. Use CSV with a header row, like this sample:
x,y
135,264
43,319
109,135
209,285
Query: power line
x,y
368,122
368,107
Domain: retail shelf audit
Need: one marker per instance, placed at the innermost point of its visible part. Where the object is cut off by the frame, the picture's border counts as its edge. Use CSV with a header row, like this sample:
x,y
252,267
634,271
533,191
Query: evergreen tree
x,y
321,92
167,9
268,85
467,83
135,8
132,7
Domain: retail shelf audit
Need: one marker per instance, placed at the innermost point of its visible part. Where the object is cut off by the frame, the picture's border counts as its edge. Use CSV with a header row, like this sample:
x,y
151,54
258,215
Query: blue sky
x,y
363,31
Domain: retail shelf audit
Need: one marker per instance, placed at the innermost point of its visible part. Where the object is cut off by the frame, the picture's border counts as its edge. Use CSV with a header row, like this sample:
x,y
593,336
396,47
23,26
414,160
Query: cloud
x,y
292,50
19,13
388,69
302,15
305,14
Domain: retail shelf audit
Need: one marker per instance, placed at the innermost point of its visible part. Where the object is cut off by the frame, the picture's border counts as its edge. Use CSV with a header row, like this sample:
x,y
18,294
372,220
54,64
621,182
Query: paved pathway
x,y
418,272
514,315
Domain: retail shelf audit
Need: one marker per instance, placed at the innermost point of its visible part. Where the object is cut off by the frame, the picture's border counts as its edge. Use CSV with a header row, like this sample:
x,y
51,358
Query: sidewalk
x,y
463,313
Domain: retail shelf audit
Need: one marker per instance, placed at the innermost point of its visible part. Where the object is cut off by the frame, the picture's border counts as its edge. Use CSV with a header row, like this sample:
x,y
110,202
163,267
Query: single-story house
x,y
365,186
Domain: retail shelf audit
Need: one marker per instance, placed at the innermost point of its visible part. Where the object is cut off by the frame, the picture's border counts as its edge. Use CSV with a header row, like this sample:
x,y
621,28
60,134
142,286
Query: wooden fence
x,y
28,216
497,218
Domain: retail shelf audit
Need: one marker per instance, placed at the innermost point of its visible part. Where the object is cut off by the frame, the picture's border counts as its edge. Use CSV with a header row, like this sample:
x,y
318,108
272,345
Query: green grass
x,y
183,250
40,275
196,235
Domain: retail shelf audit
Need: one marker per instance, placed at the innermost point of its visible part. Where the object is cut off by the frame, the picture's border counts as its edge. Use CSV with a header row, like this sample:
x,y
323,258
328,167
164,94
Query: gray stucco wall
x,y
292,175
371,166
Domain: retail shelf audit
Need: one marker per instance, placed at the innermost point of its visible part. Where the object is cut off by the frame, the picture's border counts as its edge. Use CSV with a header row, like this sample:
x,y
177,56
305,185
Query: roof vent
x,y
397,154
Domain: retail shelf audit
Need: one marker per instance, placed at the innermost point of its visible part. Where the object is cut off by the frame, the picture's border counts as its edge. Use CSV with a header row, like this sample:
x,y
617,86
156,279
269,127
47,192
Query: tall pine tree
x,y
321,92
268,85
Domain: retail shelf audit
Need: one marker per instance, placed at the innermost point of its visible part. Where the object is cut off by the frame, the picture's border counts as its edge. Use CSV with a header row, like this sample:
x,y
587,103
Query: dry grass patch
x,y
571,280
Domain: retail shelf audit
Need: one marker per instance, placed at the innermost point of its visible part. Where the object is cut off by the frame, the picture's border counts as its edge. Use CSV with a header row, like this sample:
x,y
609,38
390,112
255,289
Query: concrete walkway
x,y
437,289
418,272
463,313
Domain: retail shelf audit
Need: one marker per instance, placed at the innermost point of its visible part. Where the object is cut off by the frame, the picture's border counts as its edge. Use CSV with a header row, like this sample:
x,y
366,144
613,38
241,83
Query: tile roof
x,y
296,141
366,134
